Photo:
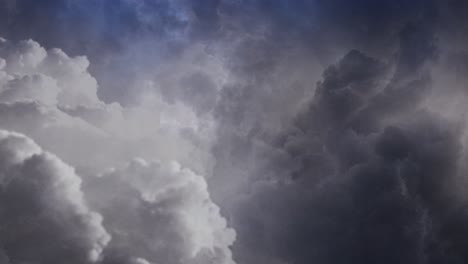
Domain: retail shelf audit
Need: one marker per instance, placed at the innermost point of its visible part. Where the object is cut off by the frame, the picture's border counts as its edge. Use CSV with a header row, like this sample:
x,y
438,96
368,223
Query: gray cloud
x,y
155,212
328,131
364,173
44,217
160,212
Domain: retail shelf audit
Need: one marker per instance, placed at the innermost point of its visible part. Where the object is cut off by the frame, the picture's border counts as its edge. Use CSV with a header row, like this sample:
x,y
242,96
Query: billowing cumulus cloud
x,y
44,217
143,212
165,214
52,98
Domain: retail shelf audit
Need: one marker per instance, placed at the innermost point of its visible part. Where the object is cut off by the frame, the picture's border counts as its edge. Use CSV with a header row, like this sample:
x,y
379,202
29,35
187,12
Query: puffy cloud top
x,y
165,214
328,131
44,216
143,212
30,72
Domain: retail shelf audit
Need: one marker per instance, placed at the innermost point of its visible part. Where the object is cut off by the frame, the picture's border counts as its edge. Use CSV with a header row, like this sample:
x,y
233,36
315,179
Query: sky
x,y
233,131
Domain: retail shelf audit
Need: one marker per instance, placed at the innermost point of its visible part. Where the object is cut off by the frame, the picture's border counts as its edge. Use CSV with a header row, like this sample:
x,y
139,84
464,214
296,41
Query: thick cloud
x,y
52,98
392,205
368,172
155,212
161,212
44,217
364,163
50,77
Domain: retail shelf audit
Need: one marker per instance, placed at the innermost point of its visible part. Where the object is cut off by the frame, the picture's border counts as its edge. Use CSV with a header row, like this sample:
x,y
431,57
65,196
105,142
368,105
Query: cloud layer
x,y
44,216
323,131
152,211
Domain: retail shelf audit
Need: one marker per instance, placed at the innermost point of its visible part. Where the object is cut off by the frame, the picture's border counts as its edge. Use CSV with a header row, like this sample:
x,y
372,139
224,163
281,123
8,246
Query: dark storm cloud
x,y
279,64
351,166
364,174
391,205
383,195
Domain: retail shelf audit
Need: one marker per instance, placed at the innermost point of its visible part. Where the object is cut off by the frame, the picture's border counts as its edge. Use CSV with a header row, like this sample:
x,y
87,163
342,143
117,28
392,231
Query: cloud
x,y
308,166
162,213
29,72
52,98
44,216
155,212
367,158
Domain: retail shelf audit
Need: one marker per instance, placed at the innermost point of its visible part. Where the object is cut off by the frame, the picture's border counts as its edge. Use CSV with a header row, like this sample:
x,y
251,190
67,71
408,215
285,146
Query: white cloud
x,y
156,212
67,78
52,98
162,212
43,215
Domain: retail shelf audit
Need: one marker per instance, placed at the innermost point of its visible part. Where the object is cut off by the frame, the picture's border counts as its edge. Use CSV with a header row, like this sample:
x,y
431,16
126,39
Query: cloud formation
x,y
44,216
325,131
52,98
165,214
368,168
143,212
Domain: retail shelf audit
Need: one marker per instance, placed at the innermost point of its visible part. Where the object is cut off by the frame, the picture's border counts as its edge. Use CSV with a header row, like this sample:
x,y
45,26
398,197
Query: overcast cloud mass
x,y
233,132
